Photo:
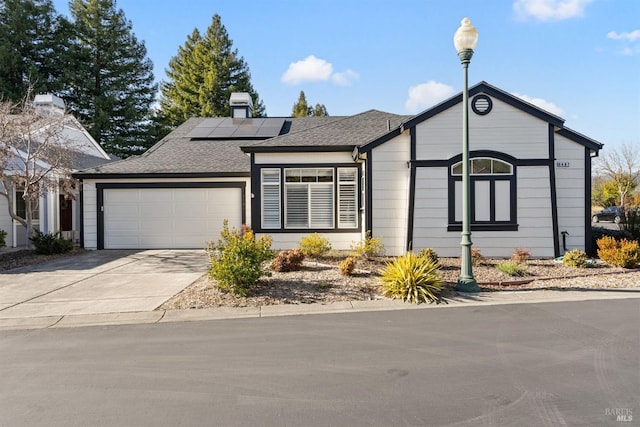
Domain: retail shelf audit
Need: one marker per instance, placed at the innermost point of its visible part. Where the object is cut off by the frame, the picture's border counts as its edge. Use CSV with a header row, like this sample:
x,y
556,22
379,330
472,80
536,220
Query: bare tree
x,y
622,166
34,156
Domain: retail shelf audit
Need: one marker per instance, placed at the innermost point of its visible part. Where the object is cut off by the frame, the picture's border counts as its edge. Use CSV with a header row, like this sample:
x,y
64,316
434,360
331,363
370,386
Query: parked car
x,y
612,213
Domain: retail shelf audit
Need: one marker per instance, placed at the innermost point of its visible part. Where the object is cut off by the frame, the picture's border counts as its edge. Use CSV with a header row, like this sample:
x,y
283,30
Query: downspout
x,y
554,193
81,191
369,193
588,232
412,190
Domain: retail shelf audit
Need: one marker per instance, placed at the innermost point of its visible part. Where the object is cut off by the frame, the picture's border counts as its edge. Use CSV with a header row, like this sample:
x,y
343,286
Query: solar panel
x,y
237,128
200,132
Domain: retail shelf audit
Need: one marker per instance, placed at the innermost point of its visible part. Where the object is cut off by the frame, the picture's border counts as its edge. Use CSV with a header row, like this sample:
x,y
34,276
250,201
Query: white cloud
x,y
630,51
345,78
632,36
426,94
310,69
628,41
541,103
550,10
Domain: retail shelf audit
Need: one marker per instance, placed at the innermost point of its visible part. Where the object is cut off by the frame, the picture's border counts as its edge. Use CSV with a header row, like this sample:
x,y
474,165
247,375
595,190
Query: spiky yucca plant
x,y
412,279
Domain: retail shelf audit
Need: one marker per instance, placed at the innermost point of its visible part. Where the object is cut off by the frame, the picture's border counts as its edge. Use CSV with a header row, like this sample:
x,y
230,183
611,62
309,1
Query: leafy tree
x,y
31,40
604,192
34,156
112,85
202,76
622,167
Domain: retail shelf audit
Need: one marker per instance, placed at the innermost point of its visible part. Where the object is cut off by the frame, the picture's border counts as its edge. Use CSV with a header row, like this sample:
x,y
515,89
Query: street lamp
x,y
465,40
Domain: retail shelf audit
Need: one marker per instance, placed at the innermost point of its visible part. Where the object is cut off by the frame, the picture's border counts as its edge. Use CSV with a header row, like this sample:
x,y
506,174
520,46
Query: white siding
x,y
296,158
339,241
535,230
390,188
505,129
431,213
570,185
5,221
90,219
90,203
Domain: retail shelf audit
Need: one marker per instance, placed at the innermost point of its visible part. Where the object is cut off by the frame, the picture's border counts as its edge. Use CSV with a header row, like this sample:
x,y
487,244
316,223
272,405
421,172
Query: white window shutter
x,y
297,206
321,205
347,198
271,198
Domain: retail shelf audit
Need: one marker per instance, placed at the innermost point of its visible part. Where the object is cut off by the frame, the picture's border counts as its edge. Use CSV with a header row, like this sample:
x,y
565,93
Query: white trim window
x,y
492,195
309,198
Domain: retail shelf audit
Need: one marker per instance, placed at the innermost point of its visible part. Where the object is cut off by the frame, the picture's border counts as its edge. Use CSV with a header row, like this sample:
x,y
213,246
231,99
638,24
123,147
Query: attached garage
x,y
172,215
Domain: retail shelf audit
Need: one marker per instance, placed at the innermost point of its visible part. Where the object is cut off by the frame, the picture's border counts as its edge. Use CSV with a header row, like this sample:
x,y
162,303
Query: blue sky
x,y
579,59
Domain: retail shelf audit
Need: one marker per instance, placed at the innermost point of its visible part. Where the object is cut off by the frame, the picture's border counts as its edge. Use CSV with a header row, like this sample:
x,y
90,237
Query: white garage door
x,y
157,218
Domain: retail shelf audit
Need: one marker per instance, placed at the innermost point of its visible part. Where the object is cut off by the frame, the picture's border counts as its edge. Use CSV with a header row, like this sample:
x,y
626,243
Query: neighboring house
x,y
398,176
53,211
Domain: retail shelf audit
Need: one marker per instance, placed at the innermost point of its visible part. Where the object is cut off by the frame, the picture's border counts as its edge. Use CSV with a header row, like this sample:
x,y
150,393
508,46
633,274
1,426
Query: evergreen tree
x,y
112,80
31,43
203,75
301,108
320,110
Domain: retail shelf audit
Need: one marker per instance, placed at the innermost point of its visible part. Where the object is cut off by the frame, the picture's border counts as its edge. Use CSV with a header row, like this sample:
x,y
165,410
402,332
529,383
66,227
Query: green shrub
x,y
3,236
512,268
575,258
288,260
411,278
368,247
599,232
521,255
50,243
430,254
314,245
347,265
631,222
623,253
236,259
476,257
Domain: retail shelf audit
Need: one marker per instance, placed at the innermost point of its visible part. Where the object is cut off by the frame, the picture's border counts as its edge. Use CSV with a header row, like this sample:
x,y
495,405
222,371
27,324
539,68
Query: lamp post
x,y
465,40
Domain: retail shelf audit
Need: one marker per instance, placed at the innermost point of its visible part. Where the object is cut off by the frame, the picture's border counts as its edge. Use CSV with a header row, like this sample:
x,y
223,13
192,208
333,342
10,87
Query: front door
x,y
66,214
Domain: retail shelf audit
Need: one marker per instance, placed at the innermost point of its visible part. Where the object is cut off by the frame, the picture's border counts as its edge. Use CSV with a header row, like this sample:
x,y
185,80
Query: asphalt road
x,y
549,364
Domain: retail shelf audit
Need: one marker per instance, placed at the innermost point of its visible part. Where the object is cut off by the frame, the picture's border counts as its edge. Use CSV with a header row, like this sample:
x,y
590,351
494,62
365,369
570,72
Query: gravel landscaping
x,y
320,282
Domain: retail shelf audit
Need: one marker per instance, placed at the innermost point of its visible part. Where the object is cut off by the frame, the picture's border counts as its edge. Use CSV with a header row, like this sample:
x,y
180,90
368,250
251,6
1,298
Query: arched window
x,y
493,194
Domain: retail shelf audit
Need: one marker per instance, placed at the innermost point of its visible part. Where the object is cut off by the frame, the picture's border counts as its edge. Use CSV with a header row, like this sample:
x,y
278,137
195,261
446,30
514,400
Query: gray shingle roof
x,y
177,154
346,131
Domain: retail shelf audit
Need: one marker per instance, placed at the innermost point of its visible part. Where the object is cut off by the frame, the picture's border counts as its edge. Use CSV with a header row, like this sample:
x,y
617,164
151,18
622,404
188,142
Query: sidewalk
x,y
162,316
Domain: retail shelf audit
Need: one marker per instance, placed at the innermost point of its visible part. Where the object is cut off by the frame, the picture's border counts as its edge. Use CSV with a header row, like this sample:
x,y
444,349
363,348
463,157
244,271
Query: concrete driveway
x,y
97,282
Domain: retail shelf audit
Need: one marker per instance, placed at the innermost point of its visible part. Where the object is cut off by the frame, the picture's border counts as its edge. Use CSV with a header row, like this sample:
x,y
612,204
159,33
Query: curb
x,y
225,313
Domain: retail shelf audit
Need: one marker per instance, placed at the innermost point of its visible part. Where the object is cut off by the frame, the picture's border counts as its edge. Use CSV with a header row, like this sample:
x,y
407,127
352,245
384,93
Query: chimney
x,y
241,105
48,104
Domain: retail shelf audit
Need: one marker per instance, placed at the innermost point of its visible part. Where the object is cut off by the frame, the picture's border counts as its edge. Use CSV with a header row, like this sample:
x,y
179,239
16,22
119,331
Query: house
x,y
53,211
397,176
